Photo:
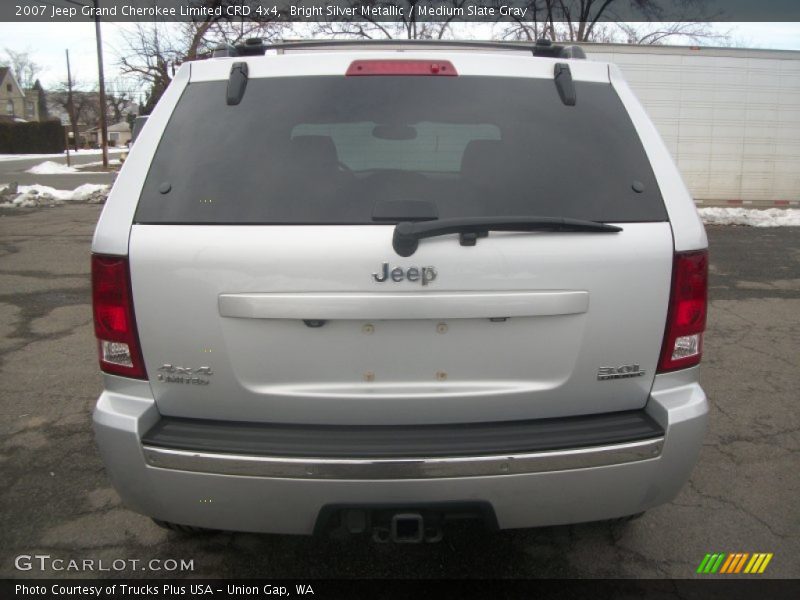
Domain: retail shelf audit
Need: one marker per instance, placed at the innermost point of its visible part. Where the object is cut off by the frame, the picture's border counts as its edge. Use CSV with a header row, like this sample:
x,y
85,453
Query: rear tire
x,y
182,529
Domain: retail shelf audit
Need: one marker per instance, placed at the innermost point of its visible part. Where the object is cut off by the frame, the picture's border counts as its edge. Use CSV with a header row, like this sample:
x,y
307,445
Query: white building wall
x,y
731,118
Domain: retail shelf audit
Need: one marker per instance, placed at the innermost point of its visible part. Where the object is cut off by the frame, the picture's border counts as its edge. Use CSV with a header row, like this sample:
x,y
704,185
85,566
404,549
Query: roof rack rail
x,y
542,47
545,47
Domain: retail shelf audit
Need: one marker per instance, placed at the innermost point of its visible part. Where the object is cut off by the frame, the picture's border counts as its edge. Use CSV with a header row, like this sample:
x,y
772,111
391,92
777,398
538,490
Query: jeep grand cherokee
x,y
375,287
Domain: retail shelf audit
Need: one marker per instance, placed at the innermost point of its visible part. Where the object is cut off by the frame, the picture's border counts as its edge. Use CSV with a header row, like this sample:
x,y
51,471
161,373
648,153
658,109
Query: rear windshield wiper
x,y
407,235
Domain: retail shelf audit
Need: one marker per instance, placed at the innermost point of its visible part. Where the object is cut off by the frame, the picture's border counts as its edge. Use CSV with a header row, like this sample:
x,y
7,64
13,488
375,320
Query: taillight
x,y
114,321
441,68
686,318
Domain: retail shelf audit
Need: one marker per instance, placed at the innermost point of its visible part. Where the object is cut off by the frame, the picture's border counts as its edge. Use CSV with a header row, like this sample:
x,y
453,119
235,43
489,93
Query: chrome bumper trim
x,y
403,468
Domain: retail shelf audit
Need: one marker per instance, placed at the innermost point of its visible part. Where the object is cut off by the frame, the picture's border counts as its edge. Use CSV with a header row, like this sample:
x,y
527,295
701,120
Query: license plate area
x,y
471,351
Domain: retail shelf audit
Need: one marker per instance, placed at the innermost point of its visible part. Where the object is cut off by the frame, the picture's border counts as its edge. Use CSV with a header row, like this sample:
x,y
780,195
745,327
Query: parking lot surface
x,y
56,499
15,171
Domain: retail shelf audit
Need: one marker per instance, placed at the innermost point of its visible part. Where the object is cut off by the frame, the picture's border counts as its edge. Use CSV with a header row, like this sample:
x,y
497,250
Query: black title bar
x,y
322,589
404,11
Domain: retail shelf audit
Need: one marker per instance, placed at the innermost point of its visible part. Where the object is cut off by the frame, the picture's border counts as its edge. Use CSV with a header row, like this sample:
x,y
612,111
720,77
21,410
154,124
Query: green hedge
x,y
46,137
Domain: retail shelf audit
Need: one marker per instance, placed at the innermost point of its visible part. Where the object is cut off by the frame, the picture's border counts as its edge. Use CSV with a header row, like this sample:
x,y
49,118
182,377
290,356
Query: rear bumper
x,y
371,452
411,468
287,494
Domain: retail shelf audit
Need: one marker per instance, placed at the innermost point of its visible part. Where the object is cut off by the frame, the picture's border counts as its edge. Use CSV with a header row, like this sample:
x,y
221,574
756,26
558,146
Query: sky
x,y
46,43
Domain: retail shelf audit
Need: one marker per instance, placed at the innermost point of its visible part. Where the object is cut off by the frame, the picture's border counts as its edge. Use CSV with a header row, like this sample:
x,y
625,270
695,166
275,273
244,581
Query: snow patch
x,y
36,195
771,217
49,167
85,191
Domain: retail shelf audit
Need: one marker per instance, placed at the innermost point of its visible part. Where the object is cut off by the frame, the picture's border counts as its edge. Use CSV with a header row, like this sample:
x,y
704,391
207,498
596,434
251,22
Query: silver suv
x,y
376,287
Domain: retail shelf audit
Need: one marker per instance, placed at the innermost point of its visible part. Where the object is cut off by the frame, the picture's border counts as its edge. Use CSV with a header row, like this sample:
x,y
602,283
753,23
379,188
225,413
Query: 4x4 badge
x,y
168,373
619,372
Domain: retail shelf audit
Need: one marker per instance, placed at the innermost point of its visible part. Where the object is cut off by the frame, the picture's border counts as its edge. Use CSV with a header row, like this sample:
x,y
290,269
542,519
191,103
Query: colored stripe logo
x,y
733,563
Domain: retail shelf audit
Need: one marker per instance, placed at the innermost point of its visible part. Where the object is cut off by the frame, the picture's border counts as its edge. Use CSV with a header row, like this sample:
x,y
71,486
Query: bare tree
x,y
558,20
25,69
82,107
118,100
153,51
605,21
228,33
539,25
657,33
406,26
87,108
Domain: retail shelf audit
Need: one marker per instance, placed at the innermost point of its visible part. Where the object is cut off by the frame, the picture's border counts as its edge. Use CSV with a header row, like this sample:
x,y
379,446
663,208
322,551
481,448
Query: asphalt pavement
x,y
12,171
56,500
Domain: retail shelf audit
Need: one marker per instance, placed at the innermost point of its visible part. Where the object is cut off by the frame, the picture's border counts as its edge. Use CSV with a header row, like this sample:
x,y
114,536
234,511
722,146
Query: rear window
x,y
335,150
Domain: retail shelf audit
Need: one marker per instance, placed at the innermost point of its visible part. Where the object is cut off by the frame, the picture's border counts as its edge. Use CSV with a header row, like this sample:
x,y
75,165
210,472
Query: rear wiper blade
x,y
407,234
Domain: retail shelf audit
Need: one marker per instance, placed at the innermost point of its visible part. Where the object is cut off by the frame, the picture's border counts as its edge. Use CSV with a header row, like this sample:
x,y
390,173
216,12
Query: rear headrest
x,y
316,150
483,157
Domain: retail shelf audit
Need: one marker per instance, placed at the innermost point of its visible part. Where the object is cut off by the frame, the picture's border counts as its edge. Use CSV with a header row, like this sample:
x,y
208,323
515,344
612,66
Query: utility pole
x,y
66,144
71,105
103,123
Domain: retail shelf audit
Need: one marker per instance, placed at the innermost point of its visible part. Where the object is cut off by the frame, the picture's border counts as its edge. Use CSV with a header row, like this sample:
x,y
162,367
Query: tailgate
x,y
255,323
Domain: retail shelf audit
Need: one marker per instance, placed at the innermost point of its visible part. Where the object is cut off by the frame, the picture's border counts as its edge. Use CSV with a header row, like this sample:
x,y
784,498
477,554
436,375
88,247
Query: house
x,y
119,134
15,103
